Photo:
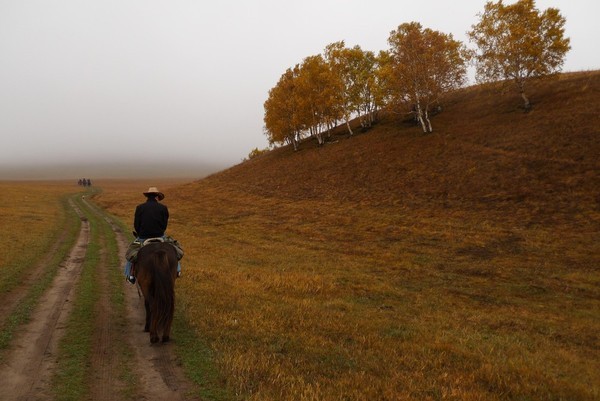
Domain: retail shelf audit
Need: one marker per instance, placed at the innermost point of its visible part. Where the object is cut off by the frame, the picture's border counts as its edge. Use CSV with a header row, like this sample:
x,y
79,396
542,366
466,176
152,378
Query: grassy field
x,y
462,265
39,222
33,215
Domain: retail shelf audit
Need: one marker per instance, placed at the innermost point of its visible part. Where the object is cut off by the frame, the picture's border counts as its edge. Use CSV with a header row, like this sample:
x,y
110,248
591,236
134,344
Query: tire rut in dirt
x,y
104,363
26,371
9,301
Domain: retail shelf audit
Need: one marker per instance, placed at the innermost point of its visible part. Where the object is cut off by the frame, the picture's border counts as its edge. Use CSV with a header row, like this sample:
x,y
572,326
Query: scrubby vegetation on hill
x,y
459,265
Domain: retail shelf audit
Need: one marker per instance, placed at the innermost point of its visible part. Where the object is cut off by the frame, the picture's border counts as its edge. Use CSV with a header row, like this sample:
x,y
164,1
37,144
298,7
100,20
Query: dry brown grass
x,y
461,265
32,215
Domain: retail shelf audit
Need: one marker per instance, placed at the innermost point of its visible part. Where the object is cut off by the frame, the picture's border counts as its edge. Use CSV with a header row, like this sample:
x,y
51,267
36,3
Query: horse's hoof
x,y
165,339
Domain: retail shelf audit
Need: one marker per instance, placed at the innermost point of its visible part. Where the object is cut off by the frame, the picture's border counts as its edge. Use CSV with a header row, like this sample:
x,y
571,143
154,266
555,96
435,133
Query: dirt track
x,y
27,367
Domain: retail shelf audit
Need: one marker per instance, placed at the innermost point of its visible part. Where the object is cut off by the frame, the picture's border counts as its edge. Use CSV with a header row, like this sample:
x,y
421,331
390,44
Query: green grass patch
x,y
71,378
119,313
198,360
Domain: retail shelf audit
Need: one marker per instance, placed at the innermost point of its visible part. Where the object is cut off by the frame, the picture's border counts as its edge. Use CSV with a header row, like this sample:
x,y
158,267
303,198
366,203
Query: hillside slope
x,y
460,265
485,152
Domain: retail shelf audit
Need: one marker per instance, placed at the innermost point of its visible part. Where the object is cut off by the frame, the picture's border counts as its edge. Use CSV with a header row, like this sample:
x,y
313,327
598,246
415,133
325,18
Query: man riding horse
x,y
150,223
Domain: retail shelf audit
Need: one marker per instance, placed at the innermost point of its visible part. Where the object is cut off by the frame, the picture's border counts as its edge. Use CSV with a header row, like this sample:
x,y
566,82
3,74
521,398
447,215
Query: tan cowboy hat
x,y
156,192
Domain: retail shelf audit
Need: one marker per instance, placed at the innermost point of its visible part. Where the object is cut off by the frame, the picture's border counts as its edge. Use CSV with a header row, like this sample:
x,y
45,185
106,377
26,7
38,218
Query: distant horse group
x,y
84,182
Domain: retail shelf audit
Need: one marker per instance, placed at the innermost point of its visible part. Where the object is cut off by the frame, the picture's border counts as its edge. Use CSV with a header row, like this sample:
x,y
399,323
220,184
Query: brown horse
x,y
155,270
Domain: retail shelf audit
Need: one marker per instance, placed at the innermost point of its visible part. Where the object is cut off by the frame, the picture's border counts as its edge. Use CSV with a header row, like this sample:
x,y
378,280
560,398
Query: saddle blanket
x,y
139,243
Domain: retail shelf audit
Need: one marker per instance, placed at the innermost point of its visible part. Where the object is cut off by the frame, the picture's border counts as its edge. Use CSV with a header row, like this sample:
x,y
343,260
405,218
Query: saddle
x,y
135,246
151,240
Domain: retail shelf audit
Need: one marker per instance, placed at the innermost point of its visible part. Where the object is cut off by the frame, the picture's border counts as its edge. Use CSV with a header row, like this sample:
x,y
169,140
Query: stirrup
x,y
131,279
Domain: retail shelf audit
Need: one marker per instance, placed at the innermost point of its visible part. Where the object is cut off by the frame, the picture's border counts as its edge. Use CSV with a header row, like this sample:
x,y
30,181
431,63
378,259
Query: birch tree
x,y
382,78
366,91
517,42
316,91
351,70
282,120
334,55
423,65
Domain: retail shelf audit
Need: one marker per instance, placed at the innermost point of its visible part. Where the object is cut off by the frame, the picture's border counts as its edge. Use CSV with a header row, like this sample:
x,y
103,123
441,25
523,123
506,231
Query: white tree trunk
x,y
527,104
348,125
429,127
420,118
319,136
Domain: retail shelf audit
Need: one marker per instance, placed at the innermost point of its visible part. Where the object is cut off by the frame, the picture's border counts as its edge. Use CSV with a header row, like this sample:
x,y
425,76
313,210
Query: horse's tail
x,y
163,304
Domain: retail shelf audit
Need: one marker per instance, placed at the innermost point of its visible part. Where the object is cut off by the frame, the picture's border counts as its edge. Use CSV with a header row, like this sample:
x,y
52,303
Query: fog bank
x,y
96,171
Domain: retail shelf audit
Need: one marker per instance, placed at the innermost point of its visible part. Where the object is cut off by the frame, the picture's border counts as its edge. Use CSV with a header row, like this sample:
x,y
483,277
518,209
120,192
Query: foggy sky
x,y
151,82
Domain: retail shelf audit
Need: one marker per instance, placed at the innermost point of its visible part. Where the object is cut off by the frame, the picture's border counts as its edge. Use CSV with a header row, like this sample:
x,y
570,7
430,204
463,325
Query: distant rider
x,y
150,221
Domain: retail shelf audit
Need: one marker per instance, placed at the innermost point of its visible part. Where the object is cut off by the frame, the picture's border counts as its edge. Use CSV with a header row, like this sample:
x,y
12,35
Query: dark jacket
x,y
151,219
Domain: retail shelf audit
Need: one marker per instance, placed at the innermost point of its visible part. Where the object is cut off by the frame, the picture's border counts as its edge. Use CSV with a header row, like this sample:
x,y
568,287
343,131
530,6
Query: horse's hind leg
x,y
168,323
147,326
166,333
153,323
150,325
153,333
